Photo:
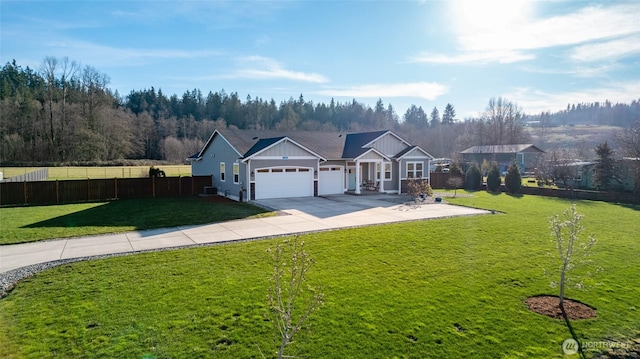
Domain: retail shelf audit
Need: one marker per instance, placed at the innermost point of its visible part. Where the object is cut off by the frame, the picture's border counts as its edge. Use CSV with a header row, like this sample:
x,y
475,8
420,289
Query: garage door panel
x,y
284,182
331,180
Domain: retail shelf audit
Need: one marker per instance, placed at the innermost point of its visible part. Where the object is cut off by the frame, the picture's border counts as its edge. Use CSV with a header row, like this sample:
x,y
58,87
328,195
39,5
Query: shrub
x,y
473,178
418,187
513,180
493,178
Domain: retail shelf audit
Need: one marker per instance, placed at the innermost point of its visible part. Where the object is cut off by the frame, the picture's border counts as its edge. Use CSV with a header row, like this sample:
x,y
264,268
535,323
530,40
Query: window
x,y
387,171
414,169
222,174
236,173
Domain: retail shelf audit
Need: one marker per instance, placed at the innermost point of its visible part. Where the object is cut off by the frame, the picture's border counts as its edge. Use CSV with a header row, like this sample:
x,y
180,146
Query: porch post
x,y
399,177
381,189
358,181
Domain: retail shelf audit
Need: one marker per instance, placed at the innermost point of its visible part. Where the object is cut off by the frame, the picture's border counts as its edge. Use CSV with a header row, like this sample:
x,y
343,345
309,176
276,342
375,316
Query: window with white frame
x,y
222,172
387,171
414,169
236,173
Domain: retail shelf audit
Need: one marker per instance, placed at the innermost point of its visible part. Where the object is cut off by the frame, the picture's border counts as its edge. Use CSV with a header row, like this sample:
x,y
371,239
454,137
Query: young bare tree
x,y
455,182
573,249
291,299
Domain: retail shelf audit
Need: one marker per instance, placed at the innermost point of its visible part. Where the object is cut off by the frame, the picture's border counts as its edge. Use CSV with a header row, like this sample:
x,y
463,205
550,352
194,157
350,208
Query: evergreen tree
x,y
416,116
473,178
435,117
493,178
449,114
605,169
513,180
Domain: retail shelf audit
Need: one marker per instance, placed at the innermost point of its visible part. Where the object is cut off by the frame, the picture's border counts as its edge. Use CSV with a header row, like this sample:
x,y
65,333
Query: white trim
x,y
285,158
415,163
415,148
384,134
236,166
370,160
206,145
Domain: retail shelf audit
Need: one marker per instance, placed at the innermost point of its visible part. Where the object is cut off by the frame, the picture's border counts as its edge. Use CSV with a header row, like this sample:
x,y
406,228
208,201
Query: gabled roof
x,y
264,144
502,149
327,145
371,149
409,149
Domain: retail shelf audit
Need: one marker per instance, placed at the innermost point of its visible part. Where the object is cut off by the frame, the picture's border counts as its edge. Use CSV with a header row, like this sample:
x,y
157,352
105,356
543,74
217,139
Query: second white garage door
x,y
284,182
331,180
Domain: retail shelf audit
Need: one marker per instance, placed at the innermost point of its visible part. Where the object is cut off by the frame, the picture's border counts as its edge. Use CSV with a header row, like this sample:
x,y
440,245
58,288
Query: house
x,y
259,164
624,181
525,155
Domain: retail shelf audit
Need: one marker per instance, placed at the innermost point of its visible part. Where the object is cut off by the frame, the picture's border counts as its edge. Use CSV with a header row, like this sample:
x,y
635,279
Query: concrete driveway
x,y
297,215
364,210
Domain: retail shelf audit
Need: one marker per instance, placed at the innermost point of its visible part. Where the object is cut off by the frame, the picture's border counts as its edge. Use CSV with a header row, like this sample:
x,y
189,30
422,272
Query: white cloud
x,y
426,90
534,101
501,56
101,55
261,68
607,50
499,31
587,24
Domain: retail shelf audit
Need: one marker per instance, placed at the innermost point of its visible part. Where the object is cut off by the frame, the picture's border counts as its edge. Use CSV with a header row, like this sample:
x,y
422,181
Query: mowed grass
x,y
447,288
97,172
34,223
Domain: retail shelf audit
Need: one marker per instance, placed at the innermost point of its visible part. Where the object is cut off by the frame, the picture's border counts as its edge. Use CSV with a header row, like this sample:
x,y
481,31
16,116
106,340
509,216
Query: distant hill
x,y
607,114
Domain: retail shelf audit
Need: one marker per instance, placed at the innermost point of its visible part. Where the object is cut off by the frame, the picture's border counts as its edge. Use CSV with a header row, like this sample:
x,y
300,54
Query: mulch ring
x,y
550,306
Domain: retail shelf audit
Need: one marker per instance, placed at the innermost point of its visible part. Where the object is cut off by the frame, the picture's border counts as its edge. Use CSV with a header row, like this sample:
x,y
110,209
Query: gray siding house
x,y
258,164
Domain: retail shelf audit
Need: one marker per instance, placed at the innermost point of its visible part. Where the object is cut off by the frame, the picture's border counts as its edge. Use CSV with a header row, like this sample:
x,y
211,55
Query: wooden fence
x,y
88,190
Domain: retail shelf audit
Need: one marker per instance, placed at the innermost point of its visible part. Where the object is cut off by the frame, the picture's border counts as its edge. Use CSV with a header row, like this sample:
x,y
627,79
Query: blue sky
x,y
541,55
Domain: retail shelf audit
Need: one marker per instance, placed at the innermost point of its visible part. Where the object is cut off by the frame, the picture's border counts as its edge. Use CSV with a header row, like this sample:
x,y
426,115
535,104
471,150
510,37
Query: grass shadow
x,y
151,213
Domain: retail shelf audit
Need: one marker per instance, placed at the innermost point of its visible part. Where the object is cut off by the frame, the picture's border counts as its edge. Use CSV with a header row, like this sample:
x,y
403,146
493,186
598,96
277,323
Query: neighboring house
x,y
525,156
624,180
259,164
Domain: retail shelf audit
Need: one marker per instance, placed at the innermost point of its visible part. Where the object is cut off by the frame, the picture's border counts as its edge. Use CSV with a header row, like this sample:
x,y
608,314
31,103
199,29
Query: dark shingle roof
x,y
327,144
262,144
354,143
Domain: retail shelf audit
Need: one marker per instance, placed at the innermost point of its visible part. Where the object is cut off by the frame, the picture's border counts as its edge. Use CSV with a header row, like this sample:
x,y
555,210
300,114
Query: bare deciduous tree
x,y
291,299
573,250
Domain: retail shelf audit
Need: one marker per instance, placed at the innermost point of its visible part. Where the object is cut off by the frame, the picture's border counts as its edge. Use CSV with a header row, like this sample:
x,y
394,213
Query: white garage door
x,y
331,180
284,182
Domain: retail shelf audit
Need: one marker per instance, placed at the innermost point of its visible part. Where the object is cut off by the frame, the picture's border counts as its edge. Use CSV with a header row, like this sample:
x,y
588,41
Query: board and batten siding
x,y
285,149
389,145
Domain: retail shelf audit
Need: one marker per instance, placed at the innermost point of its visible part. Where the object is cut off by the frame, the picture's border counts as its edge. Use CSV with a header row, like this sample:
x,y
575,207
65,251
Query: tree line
x,y
63,112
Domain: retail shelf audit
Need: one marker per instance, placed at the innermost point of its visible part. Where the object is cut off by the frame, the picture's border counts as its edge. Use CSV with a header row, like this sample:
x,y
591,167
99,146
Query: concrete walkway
x,y
299,215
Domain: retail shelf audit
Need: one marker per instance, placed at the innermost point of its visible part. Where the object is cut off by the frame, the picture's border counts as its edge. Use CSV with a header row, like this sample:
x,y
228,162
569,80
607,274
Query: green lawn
x,y
34,223
448,288
95,172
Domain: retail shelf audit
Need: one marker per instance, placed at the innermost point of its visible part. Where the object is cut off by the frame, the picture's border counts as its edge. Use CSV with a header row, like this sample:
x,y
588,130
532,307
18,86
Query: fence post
x,y
88,189
57,192
153,185
179,186
24,187
115,184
